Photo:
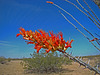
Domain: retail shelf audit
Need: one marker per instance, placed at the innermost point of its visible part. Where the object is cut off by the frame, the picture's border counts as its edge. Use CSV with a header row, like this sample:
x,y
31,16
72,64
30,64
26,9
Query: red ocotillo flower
x,y
94,39
50,2
42,39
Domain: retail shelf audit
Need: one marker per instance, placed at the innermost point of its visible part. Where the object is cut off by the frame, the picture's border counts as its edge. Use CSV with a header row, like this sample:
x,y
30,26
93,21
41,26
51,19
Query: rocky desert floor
x,y
15,68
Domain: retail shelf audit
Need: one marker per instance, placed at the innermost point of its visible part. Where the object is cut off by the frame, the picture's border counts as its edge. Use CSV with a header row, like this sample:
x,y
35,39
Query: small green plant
x,y
40,63
2,60
9,59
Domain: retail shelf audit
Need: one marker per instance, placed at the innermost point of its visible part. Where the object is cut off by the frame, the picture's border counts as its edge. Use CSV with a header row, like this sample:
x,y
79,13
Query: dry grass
x,y
15,68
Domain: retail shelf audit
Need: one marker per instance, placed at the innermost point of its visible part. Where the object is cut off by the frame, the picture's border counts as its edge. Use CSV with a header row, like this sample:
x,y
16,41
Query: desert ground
x,y
15,68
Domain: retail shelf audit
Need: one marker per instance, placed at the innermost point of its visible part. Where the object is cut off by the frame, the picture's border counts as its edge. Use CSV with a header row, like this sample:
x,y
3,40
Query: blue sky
x,y
37,14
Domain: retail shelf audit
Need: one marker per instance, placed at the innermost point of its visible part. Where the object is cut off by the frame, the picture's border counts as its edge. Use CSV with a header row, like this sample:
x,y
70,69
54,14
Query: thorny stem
x,y
91,11
87,12
77,22
82,12
81,62
97,35
79,31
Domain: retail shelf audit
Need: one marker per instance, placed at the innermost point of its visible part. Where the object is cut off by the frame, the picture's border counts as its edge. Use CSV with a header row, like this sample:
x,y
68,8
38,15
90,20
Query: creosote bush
x,y
9,59
40,63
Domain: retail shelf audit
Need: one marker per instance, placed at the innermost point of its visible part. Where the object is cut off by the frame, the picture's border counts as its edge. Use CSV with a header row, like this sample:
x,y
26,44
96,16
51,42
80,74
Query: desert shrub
x,y
9,59
40,63
66,60
2,60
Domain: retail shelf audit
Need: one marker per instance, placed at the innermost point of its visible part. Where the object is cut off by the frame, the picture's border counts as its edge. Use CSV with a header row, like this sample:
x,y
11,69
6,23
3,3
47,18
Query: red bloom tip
x,y
17,35
50,2
38,48
51,33
93,39
30,42
61,34
72,40
48,50
68,44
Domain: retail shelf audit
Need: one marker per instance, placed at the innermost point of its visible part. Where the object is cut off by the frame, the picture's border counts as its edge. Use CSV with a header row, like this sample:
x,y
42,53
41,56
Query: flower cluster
x,y
41,39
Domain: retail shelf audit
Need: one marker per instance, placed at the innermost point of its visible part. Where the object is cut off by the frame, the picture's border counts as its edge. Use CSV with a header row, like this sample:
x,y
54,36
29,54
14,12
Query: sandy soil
x,y
15,68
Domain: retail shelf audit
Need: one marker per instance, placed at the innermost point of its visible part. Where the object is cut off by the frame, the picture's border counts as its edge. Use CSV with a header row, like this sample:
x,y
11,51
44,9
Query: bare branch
x,y
79,31
91,10
82,63
83,13
88,12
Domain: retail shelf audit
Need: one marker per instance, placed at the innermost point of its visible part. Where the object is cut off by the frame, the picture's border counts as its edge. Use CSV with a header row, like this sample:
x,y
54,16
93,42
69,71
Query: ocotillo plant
x,y
52,43
95,39
92,19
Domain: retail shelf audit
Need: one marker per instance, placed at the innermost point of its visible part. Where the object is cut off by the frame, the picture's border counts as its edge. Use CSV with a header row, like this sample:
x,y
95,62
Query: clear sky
x,y
37,14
